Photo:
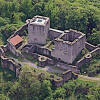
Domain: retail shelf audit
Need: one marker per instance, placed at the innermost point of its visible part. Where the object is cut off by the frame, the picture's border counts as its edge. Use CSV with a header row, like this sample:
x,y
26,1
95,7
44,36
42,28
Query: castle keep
x,y
38,28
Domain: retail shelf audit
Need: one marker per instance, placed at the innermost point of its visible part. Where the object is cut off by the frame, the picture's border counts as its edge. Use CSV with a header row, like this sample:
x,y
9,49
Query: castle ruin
x,y
66,44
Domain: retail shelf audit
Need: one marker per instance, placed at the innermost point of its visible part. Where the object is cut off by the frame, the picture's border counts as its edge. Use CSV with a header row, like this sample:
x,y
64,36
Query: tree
x,y
59,93
46,90
27,88
7,31
3,97
26,8
4,21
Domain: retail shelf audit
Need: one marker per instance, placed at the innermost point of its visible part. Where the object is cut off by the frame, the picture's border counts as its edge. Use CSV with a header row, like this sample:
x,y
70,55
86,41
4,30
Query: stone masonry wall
x,y
66,50
68,67
10,64
62,51
89,46
1,52
44,51
53,33
77,47
12,49
88,57
66,76
38,32
20,32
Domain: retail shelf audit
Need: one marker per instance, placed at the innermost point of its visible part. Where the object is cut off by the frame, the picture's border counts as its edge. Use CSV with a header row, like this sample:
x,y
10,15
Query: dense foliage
x,y
29,87
82,15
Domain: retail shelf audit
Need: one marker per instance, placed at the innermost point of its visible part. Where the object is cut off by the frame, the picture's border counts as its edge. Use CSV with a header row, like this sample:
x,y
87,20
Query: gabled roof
x,y
16,40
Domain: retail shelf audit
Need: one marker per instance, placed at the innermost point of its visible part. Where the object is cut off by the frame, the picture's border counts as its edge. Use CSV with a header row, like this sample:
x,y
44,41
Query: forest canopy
x,y
81,15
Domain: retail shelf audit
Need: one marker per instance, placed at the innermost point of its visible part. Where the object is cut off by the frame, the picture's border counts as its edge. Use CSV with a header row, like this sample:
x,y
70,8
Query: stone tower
x,y
68,45
38,28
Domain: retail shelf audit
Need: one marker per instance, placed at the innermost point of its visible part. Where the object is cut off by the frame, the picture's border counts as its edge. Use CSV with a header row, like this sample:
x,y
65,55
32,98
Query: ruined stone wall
x,y
68,67
53,33
29,48
10,64
89,46
1,52
70,35
62,51
58,83
95,51
12,49
84,60
77,47
42,50
66,76
21,30
66,50
51,61
88,57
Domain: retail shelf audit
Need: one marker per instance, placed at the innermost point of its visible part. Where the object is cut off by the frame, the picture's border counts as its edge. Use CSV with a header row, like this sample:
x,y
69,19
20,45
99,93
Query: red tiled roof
x,y
16,40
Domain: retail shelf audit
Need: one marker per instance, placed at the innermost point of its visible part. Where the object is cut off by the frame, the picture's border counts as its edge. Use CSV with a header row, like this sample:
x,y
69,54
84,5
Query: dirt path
x,y
50,69
90,78
47,68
